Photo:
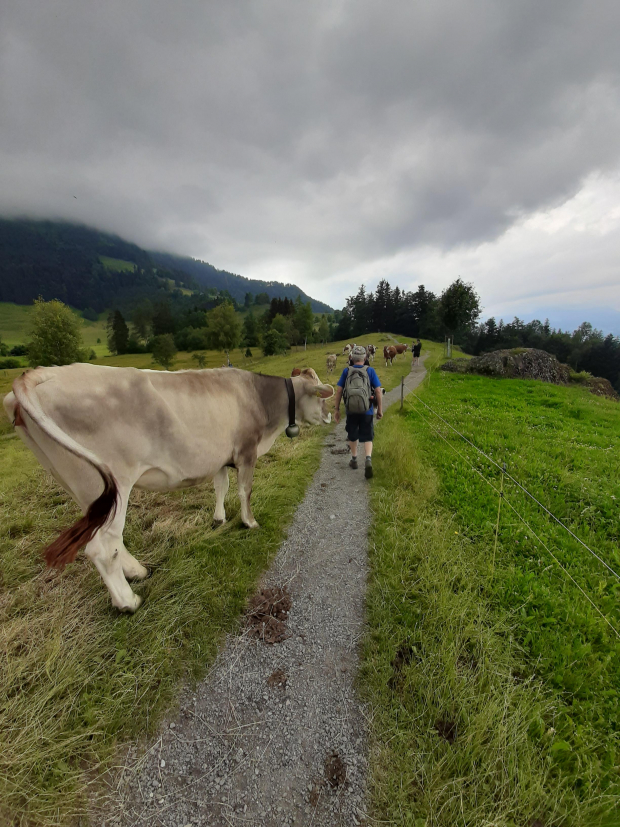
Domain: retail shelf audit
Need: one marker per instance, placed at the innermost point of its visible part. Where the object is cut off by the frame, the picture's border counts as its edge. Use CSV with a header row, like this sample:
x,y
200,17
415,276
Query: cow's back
x,y
186,421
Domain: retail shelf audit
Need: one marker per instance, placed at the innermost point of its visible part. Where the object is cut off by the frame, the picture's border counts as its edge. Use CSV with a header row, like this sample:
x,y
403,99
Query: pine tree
x,y
118,333
323,331
250,330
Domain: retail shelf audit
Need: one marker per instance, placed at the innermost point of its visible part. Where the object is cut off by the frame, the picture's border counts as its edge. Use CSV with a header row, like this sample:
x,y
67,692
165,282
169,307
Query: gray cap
x,y
358,352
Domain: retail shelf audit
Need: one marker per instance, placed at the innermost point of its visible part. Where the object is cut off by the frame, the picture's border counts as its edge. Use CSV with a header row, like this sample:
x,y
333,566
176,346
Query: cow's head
x,y
310,396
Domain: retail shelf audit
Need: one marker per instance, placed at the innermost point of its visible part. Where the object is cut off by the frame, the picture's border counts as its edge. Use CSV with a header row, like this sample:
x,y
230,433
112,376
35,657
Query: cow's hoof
x,y
217,523
137,573
253,524
130,608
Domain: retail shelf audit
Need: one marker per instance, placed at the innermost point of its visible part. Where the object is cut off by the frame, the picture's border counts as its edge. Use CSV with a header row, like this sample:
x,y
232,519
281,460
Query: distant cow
x,y
370,352
101,431
401,349
346,350
331,362
389,354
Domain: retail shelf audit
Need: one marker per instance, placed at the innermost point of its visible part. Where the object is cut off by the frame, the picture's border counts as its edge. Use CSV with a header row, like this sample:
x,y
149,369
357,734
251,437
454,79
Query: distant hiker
x,y
417,349
358,385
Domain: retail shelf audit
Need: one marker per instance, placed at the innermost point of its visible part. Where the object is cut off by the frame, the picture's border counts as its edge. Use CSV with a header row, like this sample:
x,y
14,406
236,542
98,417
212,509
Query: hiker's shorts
x,y
360,426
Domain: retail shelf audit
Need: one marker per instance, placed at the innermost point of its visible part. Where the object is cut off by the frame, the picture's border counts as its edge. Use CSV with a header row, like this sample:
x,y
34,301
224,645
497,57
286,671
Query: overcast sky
x,y
329,143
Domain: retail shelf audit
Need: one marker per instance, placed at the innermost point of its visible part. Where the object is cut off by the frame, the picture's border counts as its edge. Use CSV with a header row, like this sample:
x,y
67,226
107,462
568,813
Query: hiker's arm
x,y
378,391
337,399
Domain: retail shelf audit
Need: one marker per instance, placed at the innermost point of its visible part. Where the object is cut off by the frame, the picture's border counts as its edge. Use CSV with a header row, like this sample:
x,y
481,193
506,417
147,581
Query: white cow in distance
x,y
100,431
331,362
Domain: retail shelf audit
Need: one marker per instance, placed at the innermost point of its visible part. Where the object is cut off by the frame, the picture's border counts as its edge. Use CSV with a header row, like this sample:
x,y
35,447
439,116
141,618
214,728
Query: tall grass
x,y
75,676
494,689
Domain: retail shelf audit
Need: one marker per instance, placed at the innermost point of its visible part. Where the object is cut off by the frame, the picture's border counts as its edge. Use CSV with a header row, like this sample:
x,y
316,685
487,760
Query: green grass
x,y
15,323
314,356
118,265
77,678
510,652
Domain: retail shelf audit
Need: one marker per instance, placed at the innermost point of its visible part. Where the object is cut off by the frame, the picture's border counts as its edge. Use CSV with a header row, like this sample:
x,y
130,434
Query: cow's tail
x,y
65,547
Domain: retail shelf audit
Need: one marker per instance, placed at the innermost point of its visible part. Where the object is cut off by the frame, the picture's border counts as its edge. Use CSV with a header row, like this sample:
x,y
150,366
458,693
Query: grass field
x,y
117,265
77,678
15,321
494,683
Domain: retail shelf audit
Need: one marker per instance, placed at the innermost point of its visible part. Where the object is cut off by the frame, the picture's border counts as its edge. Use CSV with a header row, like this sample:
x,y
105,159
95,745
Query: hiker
x,y
359,384
417,349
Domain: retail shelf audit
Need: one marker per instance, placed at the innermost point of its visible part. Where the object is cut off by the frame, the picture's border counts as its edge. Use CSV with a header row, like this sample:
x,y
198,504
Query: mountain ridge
x,y
76,264
210,276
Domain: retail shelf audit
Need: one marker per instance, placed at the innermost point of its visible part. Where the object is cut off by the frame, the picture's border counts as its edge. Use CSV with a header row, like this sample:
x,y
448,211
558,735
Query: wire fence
x,y
502,498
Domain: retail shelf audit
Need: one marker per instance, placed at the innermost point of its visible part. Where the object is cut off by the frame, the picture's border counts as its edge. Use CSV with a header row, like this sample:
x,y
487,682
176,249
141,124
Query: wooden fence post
x,y
402,391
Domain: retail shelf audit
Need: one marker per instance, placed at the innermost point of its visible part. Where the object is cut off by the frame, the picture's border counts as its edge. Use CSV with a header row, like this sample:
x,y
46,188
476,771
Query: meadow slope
x,y
79,678
493,680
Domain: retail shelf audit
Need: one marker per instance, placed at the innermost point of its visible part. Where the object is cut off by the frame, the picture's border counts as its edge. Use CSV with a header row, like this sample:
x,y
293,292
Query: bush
x,y
7,364
134,346
191,338
274,342
164,350
19,350
581,378
200,359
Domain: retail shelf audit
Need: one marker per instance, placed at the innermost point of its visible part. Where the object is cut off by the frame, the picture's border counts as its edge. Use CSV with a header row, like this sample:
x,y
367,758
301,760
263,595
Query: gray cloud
x,y
307,138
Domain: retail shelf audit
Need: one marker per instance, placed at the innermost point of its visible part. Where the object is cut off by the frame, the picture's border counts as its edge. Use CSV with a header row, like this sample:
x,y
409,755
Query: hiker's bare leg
x,y
353,447
368,449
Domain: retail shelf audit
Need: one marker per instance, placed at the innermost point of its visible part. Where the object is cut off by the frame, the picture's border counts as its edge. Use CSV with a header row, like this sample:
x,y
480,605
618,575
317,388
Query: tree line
x,y
455,313
282,324
586,348
420,313
163,329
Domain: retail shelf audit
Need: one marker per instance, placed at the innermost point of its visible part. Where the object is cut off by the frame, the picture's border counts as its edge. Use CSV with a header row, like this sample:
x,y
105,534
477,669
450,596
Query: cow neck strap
x,y
292,429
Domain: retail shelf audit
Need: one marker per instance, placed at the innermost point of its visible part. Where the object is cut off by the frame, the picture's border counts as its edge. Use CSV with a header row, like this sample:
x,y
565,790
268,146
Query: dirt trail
x,y
275,734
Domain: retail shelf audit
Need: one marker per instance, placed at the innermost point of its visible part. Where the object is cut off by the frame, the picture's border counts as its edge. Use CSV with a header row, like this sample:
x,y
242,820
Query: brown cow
x,y
401,349
389,354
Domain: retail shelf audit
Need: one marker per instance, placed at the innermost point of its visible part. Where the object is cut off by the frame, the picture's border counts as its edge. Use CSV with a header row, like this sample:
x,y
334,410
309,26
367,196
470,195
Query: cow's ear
x,y
324,391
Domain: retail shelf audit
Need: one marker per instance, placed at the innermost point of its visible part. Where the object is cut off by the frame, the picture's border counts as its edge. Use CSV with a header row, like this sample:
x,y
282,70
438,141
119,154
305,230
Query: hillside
x,y
86,268
209,276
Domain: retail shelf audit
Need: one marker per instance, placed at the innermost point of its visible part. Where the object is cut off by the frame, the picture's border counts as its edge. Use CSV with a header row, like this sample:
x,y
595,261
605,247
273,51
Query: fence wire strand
x,y
519,485
509,504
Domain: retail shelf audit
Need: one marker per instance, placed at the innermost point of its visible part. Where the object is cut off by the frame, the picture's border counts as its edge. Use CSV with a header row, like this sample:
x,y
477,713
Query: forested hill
x,y
86,268
209,276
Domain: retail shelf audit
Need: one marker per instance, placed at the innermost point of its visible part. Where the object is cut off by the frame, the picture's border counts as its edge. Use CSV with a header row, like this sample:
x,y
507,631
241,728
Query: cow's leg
x,y
132,569
220,483
107,552
245,477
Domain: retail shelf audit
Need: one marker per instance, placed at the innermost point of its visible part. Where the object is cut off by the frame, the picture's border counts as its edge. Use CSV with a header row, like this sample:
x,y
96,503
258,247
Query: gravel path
x,y
275,734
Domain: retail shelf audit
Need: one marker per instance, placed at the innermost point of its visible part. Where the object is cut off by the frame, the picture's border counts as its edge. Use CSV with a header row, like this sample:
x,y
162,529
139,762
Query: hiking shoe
x,y
368,470
353,462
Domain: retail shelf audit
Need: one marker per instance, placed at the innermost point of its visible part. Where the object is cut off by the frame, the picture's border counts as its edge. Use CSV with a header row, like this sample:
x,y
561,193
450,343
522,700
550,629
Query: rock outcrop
x,y
530,363
519,363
